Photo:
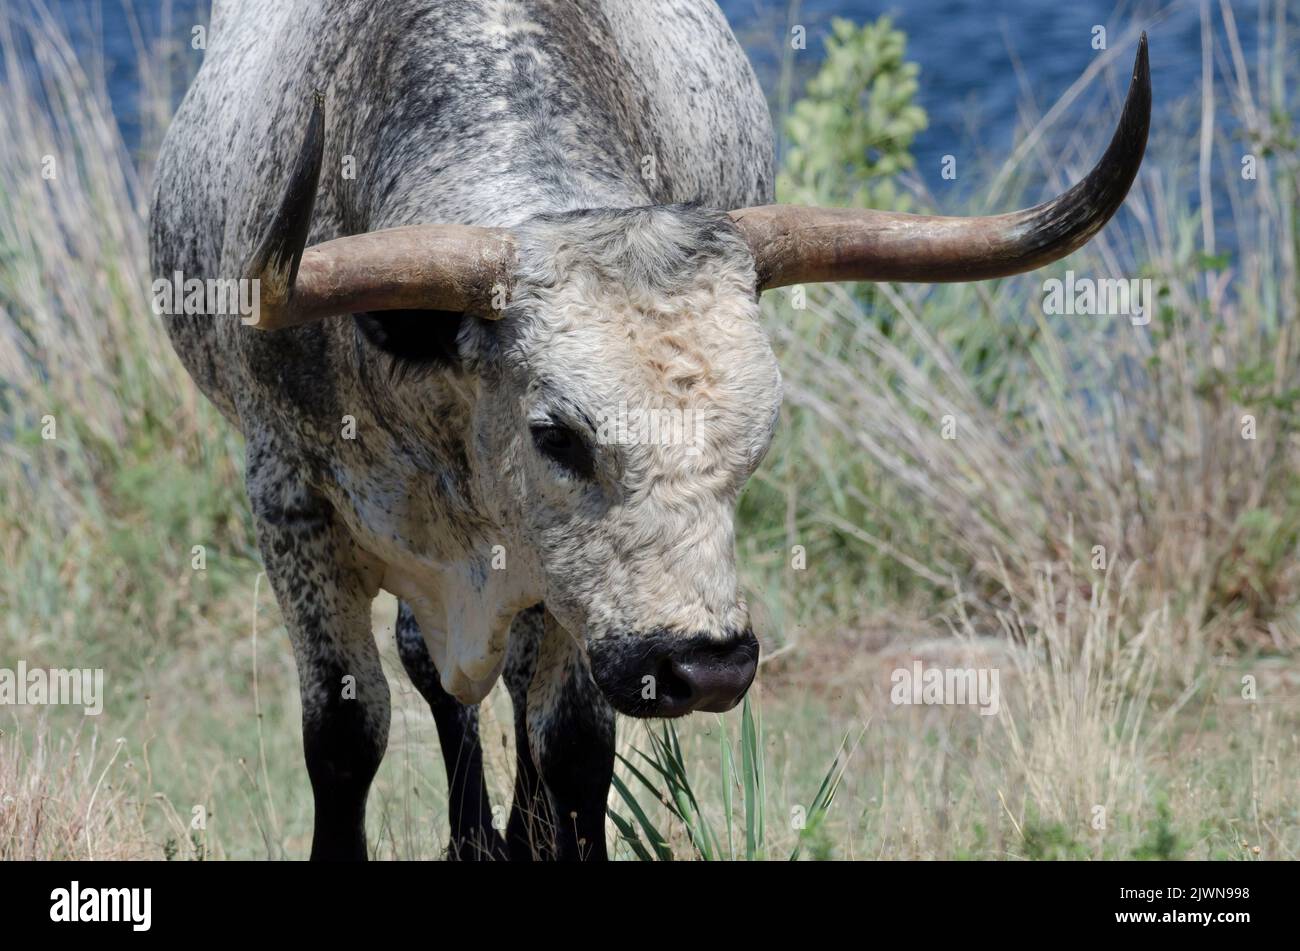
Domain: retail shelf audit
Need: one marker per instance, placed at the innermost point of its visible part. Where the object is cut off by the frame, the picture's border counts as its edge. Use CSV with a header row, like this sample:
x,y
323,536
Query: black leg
x,y
314,569
570,728
343,754
472,836
530,834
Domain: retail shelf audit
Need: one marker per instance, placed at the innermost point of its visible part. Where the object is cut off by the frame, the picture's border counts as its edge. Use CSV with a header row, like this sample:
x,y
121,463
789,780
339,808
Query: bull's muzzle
x,y
662,674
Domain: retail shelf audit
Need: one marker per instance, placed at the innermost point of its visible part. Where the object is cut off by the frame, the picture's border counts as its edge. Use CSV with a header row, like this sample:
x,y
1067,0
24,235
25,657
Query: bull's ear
x,y
417,340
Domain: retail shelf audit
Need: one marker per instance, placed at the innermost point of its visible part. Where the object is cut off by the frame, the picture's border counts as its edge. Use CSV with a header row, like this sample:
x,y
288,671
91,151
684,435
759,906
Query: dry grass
x,y
1092,754
61,799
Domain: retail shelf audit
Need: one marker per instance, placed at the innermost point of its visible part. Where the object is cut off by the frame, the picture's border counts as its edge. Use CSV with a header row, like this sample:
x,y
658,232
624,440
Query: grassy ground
x,y
1150,708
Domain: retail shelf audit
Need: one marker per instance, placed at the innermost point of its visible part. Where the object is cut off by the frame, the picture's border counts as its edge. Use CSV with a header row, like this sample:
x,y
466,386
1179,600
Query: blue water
x,y
979,60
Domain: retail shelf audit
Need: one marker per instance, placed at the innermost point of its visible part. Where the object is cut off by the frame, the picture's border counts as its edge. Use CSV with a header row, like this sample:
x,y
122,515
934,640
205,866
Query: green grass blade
x,y
653,835
728,772
747,747
628,834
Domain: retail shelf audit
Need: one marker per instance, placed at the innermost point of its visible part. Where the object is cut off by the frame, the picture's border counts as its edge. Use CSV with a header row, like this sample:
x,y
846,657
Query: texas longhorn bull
x,y
479,229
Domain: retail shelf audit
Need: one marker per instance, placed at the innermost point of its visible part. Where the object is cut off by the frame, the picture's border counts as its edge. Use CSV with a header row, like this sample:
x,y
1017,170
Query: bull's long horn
x,y
443,267
794,244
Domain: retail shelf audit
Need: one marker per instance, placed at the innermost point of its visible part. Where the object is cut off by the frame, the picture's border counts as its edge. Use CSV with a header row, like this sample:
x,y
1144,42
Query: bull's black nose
x,y
708,677
666,674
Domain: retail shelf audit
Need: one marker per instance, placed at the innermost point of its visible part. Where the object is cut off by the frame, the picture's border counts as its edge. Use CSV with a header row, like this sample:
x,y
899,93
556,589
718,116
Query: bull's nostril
x,y
681,680
673,687
712,678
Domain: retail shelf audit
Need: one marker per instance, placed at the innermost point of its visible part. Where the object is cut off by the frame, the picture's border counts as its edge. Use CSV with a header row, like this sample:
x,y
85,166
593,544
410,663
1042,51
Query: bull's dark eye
x,y
565,448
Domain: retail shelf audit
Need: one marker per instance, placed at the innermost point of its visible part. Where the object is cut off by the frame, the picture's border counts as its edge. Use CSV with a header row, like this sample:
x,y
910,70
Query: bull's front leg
x,y
565,739
530,832
319,578
469,810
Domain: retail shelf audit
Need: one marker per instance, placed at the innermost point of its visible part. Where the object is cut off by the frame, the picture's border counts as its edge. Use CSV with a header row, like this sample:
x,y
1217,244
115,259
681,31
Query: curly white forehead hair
x,y
626,313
